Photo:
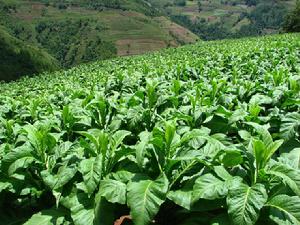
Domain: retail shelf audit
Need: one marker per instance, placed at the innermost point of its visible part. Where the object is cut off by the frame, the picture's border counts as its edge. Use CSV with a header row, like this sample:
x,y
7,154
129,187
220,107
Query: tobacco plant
x,y
204,134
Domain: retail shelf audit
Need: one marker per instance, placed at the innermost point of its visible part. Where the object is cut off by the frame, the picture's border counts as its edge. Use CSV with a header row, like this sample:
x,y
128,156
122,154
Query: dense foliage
x,y
134,5
204,134
292,22
70,41
80,31
18,58
267,15
204,30
212,20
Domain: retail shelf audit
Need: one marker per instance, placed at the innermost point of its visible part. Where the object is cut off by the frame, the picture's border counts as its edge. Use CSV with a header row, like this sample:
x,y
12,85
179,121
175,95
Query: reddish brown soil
x,y
122,219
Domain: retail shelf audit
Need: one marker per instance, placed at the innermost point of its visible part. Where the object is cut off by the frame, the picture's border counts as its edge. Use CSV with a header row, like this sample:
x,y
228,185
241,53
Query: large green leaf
x,y
169,133
212,144
17,153
117,138
217,124
292,158
263,152
92,135
244,203
231,158
113,190
289,175
290,125
209,187
22,163
91,170
56,181
82,215
288,206
47,217
280,221
144,198
181,197
263,132
5,186
18,157
141,148
81,207
40,139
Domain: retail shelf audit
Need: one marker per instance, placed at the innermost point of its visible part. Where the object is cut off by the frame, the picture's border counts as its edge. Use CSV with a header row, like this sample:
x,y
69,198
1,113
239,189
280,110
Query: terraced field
x,y
217,19
131,31
202,134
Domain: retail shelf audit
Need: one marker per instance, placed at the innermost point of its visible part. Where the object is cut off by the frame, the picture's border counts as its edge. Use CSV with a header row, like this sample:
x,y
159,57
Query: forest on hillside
x,y
234,19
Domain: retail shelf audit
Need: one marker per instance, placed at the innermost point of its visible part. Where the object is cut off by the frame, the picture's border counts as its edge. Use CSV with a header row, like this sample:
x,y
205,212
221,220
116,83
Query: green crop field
x,y
203,134
75,32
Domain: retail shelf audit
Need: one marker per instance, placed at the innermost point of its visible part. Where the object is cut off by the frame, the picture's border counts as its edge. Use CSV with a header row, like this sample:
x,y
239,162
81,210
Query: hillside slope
x,y
82,31
18,58
217,19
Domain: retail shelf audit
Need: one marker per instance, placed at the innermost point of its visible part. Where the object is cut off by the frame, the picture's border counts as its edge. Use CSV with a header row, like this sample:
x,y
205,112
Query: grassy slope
x,y
18,58
131,31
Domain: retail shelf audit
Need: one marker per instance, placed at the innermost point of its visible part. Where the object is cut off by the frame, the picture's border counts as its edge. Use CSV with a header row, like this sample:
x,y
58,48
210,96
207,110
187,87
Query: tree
x,y
292,22
199,6
180,2
251,2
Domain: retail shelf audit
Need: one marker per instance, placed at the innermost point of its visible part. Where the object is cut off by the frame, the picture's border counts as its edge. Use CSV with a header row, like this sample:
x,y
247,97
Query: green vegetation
x,y
100,5
292,22
80,31
70,41
216,19
203,134
18,58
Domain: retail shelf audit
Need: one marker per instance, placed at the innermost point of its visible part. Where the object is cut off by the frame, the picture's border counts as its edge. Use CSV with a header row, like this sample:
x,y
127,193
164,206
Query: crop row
x,y
204,134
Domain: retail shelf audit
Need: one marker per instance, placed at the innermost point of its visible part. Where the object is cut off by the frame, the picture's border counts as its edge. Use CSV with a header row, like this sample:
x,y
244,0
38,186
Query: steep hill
x,y
217,19
82,31
18,58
